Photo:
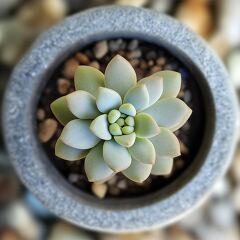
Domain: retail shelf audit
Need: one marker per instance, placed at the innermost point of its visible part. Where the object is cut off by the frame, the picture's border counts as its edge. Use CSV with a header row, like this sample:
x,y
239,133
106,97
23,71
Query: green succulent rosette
x,y
120,125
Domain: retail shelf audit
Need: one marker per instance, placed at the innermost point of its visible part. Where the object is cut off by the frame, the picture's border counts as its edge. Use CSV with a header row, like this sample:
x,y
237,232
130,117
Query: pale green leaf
x,y
115,129
128,109
154,86
145,126
120,75
138,172
171,83
99,127
107,99
95,167
113,116
126,140
162,166
61,111
82,104
166,143
143,151
138,96
68,153
77,134
171,113
116,156
88,79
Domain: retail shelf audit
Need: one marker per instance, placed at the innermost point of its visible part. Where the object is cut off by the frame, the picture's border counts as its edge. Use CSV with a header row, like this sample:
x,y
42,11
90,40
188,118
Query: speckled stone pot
x,y
144,213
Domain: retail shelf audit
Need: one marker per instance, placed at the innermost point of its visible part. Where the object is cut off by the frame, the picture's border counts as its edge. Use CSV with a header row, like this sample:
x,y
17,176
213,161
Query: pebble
x,y
95,64
184,148
40,114
63,86
47,129
135,3
100,49
115,45
162,6
206,231
133,45
100,190
82,58
151,55
70,68
150,63
235,167
177,233
197,16
134,62
152,235
233,66
222,188
161,61
64,231
9,234
222,213
112,180
122,184
9,186
19,218
236,198
155,69
134,54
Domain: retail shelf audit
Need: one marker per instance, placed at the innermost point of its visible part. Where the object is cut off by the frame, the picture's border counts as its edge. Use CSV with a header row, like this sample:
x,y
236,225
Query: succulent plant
x,y
120,125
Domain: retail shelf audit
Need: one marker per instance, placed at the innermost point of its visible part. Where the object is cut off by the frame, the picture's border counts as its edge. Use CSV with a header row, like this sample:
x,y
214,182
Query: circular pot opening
x,y
147,57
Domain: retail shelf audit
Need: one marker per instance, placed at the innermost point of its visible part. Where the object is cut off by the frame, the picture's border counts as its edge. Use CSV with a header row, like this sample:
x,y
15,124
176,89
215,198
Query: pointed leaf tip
x,y
145,126
88,79
120,75
61,111
99,127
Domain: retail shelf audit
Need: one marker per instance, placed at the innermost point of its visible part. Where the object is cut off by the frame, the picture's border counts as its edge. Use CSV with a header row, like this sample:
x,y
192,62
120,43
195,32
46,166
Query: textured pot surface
x,y
35,169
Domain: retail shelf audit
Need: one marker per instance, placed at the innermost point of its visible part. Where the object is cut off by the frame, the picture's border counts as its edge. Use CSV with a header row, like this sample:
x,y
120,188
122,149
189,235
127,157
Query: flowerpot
x,y
214,117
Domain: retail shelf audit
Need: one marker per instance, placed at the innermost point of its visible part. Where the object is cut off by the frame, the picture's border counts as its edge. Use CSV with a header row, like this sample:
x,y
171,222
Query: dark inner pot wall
x,y
146,58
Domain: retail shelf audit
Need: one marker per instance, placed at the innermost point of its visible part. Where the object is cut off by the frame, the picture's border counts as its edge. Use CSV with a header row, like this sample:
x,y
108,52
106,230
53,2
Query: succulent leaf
x,y
166,143
171,113
130,121
154,86
115,129
88,79
162,166
116,156
77,134
68,153
95,167
82,104
143,151
61,111
113,116
138,96
127,130
145,126
120,75
126,140
120,122
107,99
99,127
171,83
128,109
138,172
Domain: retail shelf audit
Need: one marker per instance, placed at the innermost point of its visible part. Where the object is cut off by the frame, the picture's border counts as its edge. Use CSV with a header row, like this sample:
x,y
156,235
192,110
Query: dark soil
x,y
146,59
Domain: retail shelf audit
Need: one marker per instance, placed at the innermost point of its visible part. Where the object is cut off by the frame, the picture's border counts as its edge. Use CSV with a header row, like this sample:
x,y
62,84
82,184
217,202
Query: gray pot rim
x,y
42,178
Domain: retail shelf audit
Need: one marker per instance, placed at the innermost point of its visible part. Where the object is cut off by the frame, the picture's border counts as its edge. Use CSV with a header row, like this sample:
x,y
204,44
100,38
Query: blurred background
x,y
22,217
